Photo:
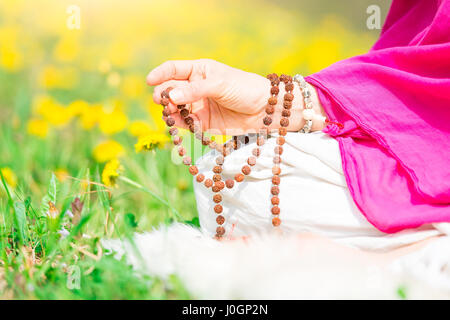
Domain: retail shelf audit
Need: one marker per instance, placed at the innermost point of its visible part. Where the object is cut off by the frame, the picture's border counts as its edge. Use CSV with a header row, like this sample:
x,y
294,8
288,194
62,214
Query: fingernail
x,y
176,95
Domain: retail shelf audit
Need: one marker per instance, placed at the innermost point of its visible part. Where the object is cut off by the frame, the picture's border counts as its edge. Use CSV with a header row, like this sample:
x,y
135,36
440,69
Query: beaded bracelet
x,y
308,112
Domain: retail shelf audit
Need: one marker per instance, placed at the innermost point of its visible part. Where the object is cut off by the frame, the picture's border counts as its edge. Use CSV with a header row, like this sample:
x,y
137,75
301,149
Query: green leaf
x,y
130,220
20,219
51,195
194,222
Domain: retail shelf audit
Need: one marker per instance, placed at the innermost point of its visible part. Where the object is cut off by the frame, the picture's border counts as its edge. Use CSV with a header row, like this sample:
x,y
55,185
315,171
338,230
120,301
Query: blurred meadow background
x,y
75,110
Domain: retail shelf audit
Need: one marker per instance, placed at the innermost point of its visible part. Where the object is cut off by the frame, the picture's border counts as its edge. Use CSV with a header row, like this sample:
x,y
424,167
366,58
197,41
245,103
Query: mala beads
x,y
217,183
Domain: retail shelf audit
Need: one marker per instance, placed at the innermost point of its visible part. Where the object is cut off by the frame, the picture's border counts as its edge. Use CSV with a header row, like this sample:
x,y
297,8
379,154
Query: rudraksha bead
x,y
275,190
184,113
275,200
275,210
220,160
276,221
220,220
276,180
273,101
282,131
177,140
165,101
218,208
208,183
187,160
278,150
166,112
239,177
229,183
200,177
193,170
280,141
277,159
267,120
260,141
217,198
274,90
251,161
217,169
170,122
289,86
288,96
283,77
246,170
256,152
287,104
181,106
165,93
286,113
276,170
206,141
217,177
284,122
181,151
220,231
192,128
270,109
173,131
189,120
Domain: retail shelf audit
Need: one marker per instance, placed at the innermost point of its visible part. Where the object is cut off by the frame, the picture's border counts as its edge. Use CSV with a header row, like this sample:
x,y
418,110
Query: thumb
x,y
194,91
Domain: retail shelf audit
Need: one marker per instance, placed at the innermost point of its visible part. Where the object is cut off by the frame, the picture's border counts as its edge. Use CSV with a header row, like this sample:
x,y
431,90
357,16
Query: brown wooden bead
x,y
246,170
288,96
273,101
220,220
184,113
217,177
220,160
173,131
166,112
189,120
229,183
193,170
181,151
206,141
181,106
289,86
251,161
274,90
270,109
287,105
277,159
276,180
218,185
256,152
275,82
165,93
217,198
281,141
192,128
278,150
286,113
275,200
275,210
217,169
187,160
215,188
276,170
239,177
267,120
208,183
220,231
200,177
170,122
282,131
271,76
260,141
275,190
177,140
218,208
284,122
165,101
276,221
283,77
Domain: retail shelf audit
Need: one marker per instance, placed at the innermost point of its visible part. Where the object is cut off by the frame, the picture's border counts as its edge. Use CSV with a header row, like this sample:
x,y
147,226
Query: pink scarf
x,y
394,103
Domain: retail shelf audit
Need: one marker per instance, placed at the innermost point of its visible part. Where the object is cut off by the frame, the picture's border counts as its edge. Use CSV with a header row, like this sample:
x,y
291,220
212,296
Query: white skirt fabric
x,y
313,196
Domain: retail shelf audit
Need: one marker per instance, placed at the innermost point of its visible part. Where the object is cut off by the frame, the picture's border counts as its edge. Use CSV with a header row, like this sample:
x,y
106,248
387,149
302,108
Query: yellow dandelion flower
x,y
133,86
61,174
38,128
151,141
111,172
53,77
139,128
114,122
67,48
77,107
91,116
107,151
11,59
10,176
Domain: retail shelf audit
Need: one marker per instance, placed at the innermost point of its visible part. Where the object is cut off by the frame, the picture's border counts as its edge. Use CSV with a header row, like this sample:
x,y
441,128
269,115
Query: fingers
x,y
159,89
171,70
194,91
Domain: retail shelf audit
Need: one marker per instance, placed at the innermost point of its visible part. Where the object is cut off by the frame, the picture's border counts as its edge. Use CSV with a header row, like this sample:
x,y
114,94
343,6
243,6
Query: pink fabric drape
x,y
394,102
